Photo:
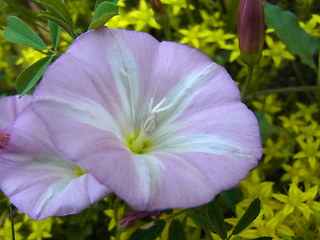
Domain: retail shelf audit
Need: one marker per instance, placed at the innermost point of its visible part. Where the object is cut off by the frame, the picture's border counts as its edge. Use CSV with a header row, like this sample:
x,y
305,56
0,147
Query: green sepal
x,y
19,32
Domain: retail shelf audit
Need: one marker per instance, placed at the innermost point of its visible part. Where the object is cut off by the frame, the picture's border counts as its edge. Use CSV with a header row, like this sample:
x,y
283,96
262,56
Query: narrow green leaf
x,y
57,7
102,14
150,233
217,219
176,231
52,16
286,26
30,76
265,128
200,220
248,217
54,31
19,32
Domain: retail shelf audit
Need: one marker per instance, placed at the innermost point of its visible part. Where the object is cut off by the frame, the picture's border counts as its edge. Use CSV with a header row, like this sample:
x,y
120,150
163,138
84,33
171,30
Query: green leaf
x,y
286,26
52,16
54,31
176,231
101,1
231,197
263,238
150,233
103,13
58,7
217,219
248,217
200,220
19,32
30,76
265,128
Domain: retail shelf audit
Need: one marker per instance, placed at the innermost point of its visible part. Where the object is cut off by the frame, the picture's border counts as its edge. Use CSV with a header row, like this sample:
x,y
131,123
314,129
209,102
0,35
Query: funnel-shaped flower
x,y
160,124
35,177
251,30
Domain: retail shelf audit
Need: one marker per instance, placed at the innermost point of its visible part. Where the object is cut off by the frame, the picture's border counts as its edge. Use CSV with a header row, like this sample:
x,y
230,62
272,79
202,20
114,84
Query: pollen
x,y
138,143
79,171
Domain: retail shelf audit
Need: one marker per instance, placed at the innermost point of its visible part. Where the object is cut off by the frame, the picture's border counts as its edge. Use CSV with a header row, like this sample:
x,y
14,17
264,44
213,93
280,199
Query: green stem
x,y
12,224
115,209
189,13
176,214
246,85
167,32
285,90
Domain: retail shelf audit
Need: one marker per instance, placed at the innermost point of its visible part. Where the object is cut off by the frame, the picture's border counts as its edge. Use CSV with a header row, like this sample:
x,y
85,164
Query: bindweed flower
x,y
159,124
35,177
10,108
251,30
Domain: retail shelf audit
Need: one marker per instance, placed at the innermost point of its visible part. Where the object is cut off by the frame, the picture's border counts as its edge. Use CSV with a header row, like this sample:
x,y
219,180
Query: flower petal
x,y
37,179
11,107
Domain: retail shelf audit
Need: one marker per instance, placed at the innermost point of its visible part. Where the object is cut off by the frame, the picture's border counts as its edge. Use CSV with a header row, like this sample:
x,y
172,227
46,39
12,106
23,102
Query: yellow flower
x,y
112,214
291,123
143,17
312,26
177,5
310,150
295,200
269,105
273,149
306,111
191,36
277,51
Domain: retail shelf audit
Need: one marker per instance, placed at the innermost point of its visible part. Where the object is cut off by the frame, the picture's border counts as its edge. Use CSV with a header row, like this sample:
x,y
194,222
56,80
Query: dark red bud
x,y
4,138
251,30
130,219
157,6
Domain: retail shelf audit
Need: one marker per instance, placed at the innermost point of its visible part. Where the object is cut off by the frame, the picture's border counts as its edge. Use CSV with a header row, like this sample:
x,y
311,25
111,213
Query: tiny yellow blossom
x,y
277,51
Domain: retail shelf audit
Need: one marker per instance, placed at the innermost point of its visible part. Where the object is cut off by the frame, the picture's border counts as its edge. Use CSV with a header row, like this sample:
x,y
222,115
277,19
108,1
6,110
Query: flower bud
x,y
251,30
157,6
4,138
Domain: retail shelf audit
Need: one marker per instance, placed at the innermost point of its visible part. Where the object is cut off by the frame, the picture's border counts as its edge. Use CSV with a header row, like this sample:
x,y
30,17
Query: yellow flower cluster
x,y
288,177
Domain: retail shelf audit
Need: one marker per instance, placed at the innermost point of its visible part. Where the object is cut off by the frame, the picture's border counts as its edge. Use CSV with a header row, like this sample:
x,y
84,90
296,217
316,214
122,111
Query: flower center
x,y
79,171
4,138
140,142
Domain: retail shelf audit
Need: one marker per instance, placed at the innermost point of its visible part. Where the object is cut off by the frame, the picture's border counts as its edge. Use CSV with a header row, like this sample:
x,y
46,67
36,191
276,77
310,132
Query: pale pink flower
x,y
38,180
159,124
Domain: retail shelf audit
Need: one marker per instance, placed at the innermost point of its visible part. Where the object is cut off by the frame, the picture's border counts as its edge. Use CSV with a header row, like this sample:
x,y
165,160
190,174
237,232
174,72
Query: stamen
x,y
151,122
4,138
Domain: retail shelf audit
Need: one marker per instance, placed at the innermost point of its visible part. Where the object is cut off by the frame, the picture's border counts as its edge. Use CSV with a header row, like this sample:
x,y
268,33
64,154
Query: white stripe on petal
x,y
85,111
183,93
126,75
